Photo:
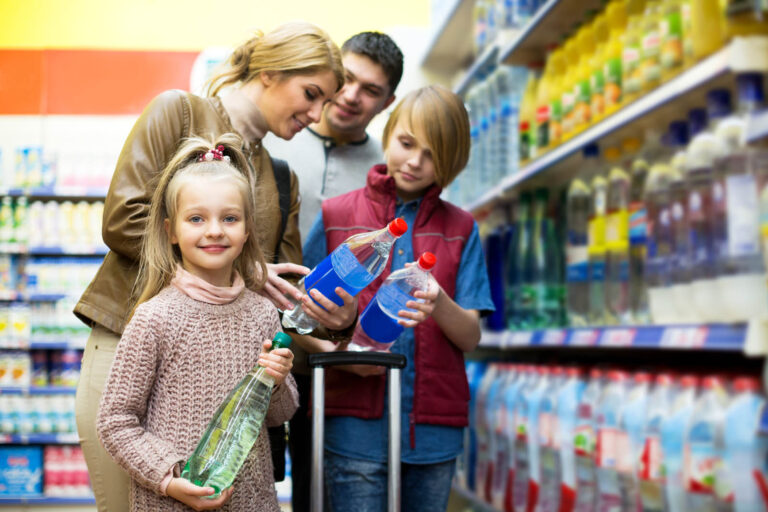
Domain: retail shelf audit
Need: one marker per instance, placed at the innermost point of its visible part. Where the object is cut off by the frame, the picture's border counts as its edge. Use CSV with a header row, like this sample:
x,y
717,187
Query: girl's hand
x,y
423,309
276,288
193,496
331,315
277,363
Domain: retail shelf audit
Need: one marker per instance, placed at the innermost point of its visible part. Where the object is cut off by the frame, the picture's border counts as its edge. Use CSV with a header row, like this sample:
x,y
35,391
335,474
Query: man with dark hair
x,y
331,158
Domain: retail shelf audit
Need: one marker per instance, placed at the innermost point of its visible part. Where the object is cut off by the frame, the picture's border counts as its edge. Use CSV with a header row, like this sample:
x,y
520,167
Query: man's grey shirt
x,y
324,169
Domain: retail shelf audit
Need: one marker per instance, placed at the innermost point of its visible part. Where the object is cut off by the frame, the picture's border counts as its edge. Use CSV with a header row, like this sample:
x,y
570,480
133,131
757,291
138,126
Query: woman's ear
x,y
268,78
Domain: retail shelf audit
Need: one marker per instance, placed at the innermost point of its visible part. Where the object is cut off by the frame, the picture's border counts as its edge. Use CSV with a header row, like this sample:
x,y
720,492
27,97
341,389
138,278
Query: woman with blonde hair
x,y
277,82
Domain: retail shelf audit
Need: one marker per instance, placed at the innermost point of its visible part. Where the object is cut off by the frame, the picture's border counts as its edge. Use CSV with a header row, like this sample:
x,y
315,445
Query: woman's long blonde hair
x,y
295,48
160,257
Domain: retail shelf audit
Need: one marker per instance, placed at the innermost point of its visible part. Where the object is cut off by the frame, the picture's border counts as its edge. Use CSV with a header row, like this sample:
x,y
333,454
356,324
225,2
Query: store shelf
x,y
729,59
553,19
481,66
62,192
68,438
747,338
451,45
46,501
476,502
54,345
38,390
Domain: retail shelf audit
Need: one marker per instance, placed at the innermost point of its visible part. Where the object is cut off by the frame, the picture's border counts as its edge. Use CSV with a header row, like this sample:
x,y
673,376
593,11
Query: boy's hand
x,y
276,288
423,309
277,363
331,315
193,496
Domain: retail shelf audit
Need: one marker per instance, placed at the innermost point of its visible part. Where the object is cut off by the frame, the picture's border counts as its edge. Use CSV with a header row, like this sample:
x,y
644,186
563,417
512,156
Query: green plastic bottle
x,y
233,430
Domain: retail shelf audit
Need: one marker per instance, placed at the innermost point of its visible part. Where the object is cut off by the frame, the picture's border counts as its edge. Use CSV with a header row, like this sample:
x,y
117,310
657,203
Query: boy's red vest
x,y
441,392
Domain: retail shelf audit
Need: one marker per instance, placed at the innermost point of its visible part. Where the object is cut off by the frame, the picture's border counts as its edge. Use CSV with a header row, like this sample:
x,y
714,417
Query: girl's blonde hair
x,y
159,257
436,117
295,48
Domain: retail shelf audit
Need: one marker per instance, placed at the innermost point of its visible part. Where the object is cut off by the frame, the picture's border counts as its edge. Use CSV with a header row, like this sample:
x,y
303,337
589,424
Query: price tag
x,y
520,338
553,337
584,337
684,337
673,337
618,338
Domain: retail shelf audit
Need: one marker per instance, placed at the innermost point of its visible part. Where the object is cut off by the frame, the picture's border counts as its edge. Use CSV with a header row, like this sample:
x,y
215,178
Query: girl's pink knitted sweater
x,y
177,360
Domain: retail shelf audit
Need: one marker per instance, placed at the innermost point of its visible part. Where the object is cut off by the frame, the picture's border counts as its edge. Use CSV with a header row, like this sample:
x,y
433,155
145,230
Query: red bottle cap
x,y
398,226
689,381
595,373
574,371
427,260
641,377
617,376
746,384
712,382
664,379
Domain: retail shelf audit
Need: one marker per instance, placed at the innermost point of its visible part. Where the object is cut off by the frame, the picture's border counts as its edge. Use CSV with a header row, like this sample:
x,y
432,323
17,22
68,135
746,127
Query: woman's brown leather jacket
x,y
167,120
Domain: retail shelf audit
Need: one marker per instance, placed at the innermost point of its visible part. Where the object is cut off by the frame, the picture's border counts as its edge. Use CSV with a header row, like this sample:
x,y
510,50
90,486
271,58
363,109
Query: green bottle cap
x,y
281,340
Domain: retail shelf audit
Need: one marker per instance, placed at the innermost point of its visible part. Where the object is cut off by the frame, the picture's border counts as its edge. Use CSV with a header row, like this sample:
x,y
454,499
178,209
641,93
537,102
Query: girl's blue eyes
x,y
229,218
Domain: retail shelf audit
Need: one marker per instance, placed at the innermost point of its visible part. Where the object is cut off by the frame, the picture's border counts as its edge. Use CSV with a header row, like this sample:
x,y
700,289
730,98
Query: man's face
x,y
365,94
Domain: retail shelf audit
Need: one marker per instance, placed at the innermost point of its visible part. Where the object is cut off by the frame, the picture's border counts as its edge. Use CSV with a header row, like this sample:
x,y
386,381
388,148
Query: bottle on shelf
x,y
511,396
518,303
596,248
544,266
543,107
578,204
745,18
550,472
570,78
617,282
585,44
706,210
652,458
555,97
493,405
705,447
651,45
233,431
528,114
745,448
671,32
741,274
568,398
379,326
482,428
632,422
616,20
707,27
585,443
632,52
611,441
597,83
352,266
673,432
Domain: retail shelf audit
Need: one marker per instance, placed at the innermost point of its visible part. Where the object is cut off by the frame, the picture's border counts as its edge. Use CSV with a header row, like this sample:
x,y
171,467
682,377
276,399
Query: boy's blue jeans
x,y
361,485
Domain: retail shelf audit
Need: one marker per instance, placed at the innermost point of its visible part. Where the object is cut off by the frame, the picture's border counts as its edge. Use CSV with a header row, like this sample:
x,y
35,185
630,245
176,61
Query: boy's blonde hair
x,y
159,257
295,48
437,118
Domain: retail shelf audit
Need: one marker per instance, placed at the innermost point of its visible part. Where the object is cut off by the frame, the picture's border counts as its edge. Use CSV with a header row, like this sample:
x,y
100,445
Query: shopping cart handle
x,y
374,358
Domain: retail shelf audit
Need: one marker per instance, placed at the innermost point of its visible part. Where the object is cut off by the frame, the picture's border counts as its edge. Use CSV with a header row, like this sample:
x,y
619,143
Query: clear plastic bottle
x,y
617,241
233,431
506,132
705,446
544,265
526,433
550,473
611,441
741,273
585,443
745,448
578,202
519,302
651,462
491,410
511,396
673,431
353,265
482,428
379,327
706,210
632,422
596,249
568,399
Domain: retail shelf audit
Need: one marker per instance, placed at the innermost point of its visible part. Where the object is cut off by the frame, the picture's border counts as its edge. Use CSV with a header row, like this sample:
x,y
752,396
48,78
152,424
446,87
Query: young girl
x,y
426,144
197,329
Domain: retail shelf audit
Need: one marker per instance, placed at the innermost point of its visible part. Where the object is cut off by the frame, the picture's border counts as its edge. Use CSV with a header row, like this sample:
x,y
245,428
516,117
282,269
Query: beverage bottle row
x,y
493,20
65,473
613,56
671,230
552,438
492,105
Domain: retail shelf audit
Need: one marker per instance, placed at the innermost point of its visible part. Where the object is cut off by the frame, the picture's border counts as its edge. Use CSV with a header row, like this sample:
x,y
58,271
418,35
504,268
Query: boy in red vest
x,y
426,144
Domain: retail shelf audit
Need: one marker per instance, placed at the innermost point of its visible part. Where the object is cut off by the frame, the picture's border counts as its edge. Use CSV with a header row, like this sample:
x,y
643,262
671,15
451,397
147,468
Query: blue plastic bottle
x,y
745,448
673,429
353,265
378,327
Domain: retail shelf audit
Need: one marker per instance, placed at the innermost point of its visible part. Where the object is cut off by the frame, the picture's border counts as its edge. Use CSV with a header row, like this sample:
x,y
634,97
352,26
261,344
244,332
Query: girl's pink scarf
x,y
200,289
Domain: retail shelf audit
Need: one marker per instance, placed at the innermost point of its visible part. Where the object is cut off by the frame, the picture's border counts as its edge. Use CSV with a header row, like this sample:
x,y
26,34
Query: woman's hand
x,y
277,362
276,288
331,315
193,496
423,310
